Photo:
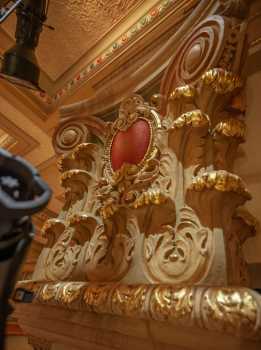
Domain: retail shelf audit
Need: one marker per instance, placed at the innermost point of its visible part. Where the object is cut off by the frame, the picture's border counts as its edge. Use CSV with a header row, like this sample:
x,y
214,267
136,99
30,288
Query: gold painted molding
x,y
234,311
221,181
221,81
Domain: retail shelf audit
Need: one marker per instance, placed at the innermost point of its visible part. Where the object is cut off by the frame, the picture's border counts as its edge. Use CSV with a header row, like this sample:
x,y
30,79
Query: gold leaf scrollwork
x,y
231,128
97,298
221,181
69,293
187,92
130,300
48,292
170,304
194,118
230,310
221,81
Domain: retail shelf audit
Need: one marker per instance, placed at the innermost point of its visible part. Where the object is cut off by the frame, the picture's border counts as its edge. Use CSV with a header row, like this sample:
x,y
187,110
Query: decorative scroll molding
x,y
213,43
76,131
123,42
235,311
143,65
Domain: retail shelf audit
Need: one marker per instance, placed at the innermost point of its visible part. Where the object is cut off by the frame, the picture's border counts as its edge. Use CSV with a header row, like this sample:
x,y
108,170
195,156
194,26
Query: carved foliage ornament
x,y
154,197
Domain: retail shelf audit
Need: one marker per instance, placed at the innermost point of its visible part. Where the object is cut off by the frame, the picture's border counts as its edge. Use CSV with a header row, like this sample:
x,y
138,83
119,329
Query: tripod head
x,y
22,194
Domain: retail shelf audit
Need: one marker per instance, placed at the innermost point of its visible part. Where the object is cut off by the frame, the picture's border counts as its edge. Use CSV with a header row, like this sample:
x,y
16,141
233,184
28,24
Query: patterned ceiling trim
x,y
161,8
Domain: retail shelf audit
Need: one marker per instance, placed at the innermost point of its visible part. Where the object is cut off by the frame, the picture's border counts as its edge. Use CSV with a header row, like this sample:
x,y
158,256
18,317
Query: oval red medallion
x,y
130,146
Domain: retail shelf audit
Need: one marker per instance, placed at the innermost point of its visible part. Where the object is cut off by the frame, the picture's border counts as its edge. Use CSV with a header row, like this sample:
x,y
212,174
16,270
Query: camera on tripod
x,y
22,194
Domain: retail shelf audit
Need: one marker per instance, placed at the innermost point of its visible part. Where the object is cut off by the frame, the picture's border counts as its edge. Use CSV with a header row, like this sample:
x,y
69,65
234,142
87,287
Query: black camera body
x,y
22,194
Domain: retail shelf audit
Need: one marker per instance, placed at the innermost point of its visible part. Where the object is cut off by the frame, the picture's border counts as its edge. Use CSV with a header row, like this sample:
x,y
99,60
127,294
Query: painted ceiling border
x,y
154,13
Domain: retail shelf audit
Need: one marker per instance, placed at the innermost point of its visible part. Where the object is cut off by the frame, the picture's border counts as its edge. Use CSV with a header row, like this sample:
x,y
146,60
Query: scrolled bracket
x,y
75,131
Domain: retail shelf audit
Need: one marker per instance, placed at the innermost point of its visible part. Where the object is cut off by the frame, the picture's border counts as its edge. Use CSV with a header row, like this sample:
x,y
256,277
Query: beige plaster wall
x,y
248,165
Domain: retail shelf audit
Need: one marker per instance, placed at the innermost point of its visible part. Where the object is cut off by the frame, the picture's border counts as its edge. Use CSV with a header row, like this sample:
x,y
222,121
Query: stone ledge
x,y
233,312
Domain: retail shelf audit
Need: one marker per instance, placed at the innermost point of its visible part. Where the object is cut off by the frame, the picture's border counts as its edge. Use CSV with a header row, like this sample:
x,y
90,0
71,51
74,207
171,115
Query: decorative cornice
x,y
235,311
162,8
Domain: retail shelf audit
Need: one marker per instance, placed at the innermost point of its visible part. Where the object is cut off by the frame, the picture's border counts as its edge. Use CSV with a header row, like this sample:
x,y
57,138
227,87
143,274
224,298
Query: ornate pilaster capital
x,y
154,190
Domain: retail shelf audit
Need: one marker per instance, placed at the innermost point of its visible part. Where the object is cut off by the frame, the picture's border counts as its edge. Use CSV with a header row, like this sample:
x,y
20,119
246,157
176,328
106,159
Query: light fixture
x,y
19,64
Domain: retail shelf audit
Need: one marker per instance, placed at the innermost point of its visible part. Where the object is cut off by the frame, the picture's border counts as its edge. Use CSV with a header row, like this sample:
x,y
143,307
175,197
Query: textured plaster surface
x,y
79,25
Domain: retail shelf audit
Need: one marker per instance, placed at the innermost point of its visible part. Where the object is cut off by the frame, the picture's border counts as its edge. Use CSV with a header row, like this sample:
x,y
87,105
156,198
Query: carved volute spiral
x,y
69,136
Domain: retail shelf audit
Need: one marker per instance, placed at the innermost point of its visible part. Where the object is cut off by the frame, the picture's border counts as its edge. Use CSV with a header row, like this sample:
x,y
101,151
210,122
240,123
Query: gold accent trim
x,y
60,163
186,91
231,128
86,151
235,311
221,81
85,176
194,118
222,181
149,197
70,173
132,109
